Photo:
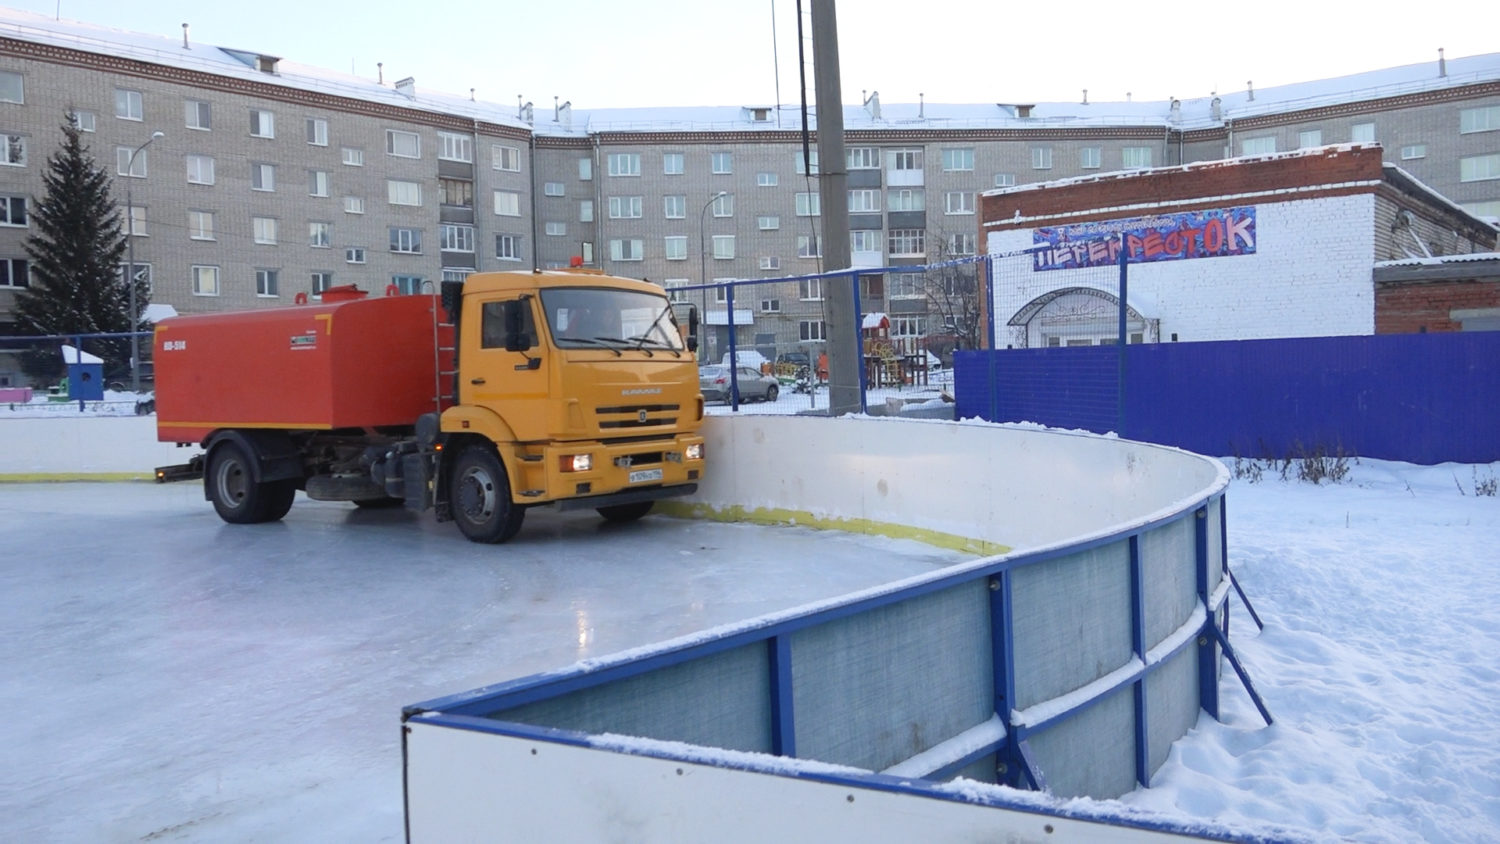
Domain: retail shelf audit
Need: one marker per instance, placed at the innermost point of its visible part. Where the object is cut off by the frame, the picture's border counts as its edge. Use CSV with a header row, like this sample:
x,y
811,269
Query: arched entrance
x,y
1078,316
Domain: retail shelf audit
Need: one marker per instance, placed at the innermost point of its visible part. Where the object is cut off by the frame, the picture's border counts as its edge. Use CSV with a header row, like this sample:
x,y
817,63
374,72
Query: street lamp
x,y
135,320
703,261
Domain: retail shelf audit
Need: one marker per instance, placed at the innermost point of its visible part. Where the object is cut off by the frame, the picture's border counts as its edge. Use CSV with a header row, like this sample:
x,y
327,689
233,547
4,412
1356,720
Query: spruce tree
x,y
77,250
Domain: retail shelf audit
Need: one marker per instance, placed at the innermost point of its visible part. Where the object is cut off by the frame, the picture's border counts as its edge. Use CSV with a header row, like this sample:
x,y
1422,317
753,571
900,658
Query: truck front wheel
x,y
480,495
237,497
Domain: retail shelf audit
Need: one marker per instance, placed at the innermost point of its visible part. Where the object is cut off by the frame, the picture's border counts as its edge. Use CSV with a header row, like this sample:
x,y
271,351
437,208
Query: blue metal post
x,y
1208,653
734,358
1120,386
1138,643
1002,656
985,287
783,725
859,345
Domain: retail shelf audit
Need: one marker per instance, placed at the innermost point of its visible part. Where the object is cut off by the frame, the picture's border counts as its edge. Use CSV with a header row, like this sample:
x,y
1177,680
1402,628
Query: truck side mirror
x,y
452,295
513,316
692,338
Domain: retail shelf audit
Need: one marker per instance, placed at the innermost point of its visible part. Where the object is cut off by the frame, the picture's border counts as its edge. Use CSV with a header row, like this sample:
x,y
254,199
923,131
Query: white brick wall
x,y
1309,277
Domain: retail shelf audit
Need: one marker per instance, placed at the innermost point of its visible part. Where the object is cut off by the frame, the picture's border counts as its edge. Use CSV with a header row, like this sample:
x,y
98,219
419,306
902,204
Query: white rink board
x,y
562,792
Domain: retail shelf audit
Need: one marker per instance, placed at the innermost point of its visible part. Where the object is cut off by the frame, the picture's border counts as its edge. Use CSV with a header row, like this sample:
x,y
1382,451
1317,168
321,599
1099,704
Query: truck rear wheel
x,y
236,495
626,512
480,495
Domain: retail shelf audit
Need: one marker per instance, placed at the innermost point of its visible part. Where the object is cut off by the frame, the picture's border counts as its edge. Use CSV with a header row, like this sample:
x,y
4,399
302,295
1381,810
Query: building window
x,y
723,247
319,235
263,177
1089,158
863,158
557,229
205,280
456,238
404,193
1135,158
317,183
198,115
959,159
809,246
906,242
907,199
1005,180
1488,208
906,286
904,159
809,205
721,163
770,306
1309,138
354,205
672,164
200,170
801,167
354,255
131,162
585,210
1264,145
453,146
128,105
12,87
1479,168
321,281
864,201
266,283
624,164
265,230
676,246
505,158
403,144
508,247
405,240
675,207
909,326
1362,133
456,273
674,293
407,285
874,286
1483,119
960,201
553,189
14,272
723,205
626,250
961,244
1413,151
766,180
458,193
811,330
810,289
625,207
1041,158
262,123
135,220
354,157
585,169
865,240
12,211
317,131
86,121
200,225
768,223
770,263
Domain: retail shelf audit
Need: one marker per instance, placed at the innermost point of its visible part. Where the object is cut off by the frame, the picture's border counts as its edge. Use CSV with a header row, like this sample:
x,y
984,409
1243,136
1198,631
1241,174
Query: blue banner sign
x,y
1213,233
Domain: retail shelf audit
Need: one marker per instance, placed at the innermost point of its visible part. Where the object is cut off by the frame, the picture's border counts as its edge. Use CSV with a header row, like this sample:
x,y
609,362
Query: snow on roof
x,y
156,313
1472,257
72,355
1191,113
875,319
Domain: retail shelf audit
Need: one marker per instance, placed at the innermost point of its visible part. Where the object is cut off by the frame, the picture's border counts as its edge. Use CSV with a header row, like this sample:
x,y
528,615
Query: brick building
x,y
1282,245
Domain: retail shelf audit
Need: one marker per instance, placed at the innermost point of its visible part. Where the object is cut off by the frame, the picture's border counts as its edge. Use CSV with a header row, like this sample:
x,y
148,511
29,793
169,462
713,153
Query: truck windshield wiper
x,y
599,341
642,338
640,342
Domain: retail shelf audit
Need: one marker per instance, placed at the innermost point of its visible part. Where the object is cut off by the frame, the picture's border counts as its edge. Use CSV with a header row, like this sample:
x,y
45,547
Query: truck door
x,y
514,384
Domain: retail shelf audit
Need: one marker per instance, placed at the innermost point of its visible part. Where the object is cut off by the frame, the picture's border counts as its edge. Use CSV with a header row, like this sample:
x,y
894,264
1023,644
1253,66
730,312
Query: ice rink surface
x,y
171,677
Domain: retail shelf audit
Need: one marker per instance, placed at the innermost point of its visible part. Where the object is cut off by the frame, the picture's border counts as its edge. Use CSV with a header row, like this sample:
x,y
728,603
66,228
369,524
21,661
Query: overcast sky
x,y
601,54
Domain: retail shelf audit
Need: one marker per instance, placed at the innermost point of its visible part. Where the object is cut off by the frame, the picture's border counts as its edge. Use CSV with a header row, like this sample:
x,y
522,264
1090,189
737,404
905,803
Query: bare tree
x,y
951,288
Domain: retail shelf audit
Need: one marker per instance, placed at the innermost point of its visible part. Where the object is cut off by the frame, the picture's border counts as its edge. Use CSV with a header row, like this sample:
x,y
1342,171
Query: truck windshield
x,y
589,317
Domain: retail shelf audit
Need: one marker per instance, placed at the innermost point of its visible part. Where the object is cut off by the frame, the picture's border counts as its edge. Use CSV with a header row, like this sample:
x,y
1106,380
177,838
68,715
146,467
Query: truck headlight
x,y
577,462
695,451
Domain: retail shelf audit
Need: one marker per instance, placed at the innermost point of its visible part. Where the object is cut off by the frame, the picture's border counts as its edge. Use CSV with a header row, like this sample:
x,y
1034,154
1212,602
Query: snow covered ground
x,y
174,678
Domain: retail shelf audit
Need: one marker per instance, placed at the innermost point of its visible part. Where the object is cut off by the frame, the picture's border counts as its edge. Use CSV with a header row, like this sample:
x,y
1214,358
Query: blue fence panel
x,y
1421,398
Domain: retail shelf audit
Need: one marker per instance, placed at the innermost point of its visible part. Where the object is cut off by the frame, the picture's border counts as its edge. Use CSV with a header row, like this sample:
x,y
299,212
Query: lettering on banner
x,y
1215,233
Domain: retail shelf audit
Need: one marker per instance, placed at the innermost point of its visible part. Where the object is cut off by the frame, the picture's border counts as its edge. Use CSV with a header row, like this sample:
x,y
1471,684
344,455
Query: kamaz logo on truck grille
x,y
641,391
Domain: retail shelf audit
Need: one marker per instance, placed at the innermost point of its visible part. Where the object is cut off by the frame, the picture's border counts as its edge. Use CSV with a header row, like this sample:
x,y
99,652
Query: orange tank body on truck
x,y
346,363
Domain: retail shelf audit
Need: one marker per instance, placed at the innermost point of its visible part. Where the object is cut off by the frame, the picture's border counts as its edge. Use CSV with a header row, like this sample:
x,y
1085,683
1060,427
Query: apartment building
x,y
273,178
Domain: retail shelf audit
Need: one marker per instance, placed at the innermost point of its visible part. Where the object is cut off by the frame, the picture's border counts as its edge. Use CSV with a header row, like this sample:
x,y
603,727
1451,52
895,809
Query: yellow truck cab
x,y
573,388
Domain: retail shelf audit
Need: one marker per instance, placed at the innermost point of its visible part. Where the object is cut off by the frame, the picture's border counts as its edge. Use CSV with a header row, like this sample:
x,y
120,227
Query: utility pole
x,y
845,357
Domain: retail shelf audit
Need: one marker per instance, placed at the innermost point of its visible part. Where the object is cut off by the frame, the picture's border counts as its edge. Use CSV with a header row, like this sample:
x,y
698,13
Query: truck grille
x,y
637,416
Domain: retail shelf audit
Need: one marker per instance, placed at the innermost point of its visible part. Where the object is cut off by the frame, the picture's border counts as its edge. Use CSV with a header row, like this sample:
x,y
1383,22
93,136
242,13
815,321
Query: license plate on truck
x,y
641,476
